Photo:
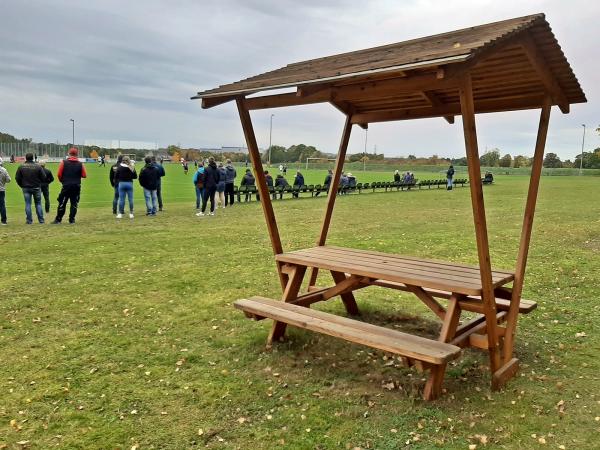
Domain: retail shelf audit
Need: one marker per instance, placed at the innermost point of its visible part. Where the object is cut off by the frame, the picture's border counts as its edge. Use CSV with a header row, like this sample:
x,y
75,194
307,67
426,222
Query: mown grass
x,y
122,334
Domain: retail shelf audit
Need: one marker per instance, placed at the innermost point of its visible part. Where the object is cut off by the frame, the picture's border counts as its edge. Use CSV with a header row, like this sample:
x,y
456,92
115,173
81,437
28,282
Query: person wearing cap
x,y
46,187
4,180
30,177
229,180
70,172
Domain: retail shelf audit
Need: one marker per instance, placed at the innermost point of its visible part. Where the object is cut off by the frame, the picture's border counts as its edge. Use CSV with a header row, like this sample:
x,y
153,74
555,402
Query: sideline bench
x,y
433,354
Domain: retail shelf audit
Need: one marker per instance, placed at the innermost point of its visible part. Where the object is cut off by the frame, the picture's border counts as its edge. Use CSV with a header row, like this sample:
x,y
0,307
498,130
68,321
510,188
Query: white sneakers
x,y
119,216
131,215
199,214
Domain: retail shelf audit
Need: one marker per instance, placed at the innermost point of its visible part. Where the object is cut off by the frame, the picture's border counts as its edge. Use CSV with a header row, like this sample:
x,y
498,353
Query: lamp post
x,y
365,152
73,121
582,144
270,136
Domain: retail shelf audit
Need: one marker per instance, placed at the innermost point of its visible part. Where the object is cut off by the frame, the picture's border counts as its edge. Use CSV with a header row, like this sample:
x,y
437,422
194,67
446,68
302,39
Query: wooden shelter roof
x,y
513,63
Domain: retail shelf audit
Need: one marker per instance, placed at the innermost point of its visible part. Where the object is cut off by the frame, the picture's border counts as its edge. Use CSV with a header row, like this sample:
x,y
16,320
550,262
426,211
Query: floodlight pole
x,y
365,152
73,122
582,144
270,135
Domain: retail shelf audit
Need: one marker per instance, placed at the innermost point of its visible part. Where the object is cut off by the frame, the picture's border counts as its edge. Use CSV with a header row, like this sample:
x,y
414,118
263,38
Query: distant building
x,y
117,143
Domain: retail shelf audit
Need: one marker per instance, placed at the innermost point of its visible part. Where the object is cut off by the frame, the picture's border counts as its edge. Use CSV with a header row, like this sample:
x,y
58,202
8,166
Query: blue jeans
x,y
36,193
199,197
151,198
125,188
449,185
3,206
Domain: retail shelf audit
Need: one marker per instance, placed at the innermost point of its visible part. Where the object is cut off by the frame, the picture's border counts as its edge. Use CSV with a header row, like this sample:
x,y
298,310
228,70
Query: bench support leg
x,y
433,387
348,297
451,320
290,293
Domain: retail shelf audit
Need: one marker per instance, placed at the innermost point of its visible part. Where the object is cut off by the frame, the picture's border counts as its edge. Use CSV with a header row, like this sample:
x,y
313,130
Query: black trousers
x,y
46,194
229,194
159,196
69,193
209,193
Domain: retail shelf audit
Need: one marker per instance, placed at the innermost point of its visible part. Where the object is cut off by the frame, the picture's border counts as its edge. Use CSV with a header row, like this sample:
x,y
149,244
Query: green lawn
x,y
122,334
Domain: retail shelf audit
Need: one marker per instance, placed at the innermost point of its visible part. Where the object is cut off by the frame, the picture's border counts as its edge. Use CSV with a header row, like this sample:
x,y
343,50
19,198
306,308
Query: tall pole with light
x,y
365,152
582,145
270,136
73,122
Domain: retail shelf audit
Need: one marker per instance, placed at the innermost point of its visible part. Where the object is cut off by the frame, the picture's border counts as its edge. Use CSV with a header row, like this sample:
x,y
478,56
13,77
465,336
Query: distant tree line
x,y
591,160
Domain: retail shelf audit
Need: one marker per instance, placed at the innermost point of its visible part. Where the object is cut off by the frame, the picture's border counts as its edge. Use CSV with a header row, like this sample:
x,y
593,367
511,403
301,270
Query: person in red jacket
x,y
70,173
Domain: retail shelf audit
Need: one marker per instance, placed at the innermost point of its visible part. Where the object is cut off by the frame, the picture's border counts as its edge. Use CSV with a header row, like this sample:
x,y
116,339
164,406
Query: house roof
x,y
513,63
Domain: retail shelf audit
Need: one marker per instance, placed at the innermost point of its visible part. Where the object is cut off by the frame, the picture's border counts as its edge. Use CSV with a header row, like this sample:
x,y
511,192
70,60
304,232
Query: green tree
x,y
521,161
551,160
490,159
505,161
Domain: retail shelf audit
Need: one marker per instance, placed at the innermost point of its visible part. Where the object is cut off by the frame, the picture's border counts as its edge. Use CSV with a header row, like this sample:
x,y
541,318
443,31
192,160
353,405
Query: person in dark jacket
x,y
70,172
124,178
45,187
161,173
270,184
114,183
229,180
221,185
149,179
211,180
298,181
397,177
281,182
248,180
449,177
327,182
30,177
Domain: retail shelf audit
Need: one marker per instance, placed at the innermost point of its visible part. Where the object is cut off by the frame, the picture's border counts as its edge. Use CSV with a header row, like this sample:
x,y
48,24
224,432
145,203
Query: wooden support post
x,y
534,182
333,188
433,387
481,235
290,293
451,321
265,198
348,297
428,299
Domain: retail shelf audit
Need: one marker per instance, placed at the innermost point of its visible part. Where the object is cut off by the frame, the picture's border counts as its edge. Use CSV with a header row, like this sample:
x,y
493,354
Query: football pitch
x,y
122,334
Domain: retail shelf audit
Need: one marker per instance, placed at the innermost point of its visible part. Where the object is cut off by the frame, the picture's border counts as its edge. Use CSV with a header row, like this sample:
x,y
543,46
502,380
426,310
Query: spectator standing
x,y
298,181
449,177
221,185
229,180
114,183
198,181
149,179
4,180
211,180
45,187
70,172
103,160
124,178
248,180
161,174
30,177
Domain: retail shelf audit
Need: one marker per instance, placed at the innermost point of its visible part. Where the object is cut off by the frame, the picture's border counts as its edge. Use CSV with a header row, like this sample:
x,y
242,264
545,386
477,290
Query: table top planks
x,y
433,274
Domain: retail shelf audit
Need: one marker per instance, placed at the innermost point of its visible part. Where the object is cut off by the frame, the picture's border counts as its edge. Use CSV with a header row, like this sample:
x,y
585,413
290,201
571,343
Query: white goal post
x,y
318,159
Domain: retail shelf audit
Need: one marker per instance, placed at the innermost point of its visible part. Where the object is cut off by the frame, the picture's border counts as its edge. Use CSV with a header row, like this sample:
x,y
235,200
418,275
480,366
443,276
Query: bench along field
x,y
124,334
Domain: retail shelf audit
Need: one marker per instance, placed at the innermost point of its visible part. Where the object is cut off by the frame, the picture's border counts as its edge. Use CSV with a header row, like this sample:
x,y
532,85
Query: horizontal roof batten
x,y
417,65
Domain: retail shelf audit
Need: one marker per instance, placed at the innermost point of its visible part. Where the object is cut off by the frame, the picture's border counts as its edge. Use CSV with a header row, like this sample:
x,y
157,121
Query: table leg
x,y
451,320
348,297
290,293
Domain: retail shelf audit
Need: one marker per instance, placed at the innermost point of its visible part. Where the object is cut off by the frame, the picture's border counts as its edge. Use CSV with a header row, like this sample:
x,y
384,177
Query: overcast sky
x,y
126,70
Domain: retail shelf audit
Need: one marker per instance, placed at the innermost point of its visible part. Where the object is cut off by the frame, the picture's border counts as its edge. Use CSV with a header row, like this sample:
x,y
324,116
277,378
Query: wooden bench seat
x,y
434,354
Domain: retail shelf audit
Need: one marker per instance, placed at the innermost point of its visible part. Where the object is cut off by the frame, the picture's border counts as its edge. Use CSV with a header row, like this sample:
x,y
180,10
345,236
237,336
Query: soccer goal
x,y
318,161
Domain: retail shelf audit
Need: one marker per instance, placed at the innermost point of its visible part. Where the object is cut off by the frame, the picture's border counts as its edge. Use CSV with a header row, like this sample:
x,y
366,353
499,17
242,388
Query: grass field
x,y
122,334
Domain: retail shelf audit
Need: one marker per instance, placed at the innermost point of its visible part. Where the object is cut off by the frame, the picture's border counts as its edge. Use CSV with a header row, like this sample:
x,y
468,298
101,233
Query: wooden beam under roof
x,y
348,109
540,65
482,106
435,101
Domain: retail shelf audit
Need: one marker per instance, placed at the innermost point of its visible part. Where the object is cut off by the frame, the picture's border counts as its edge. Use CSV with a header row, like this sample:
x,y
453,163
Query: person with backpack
x,y
70,172
229,180
30,177
111,177
124,179
449,176
198,181
221,185
149,179
45,187
4,180
211,180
